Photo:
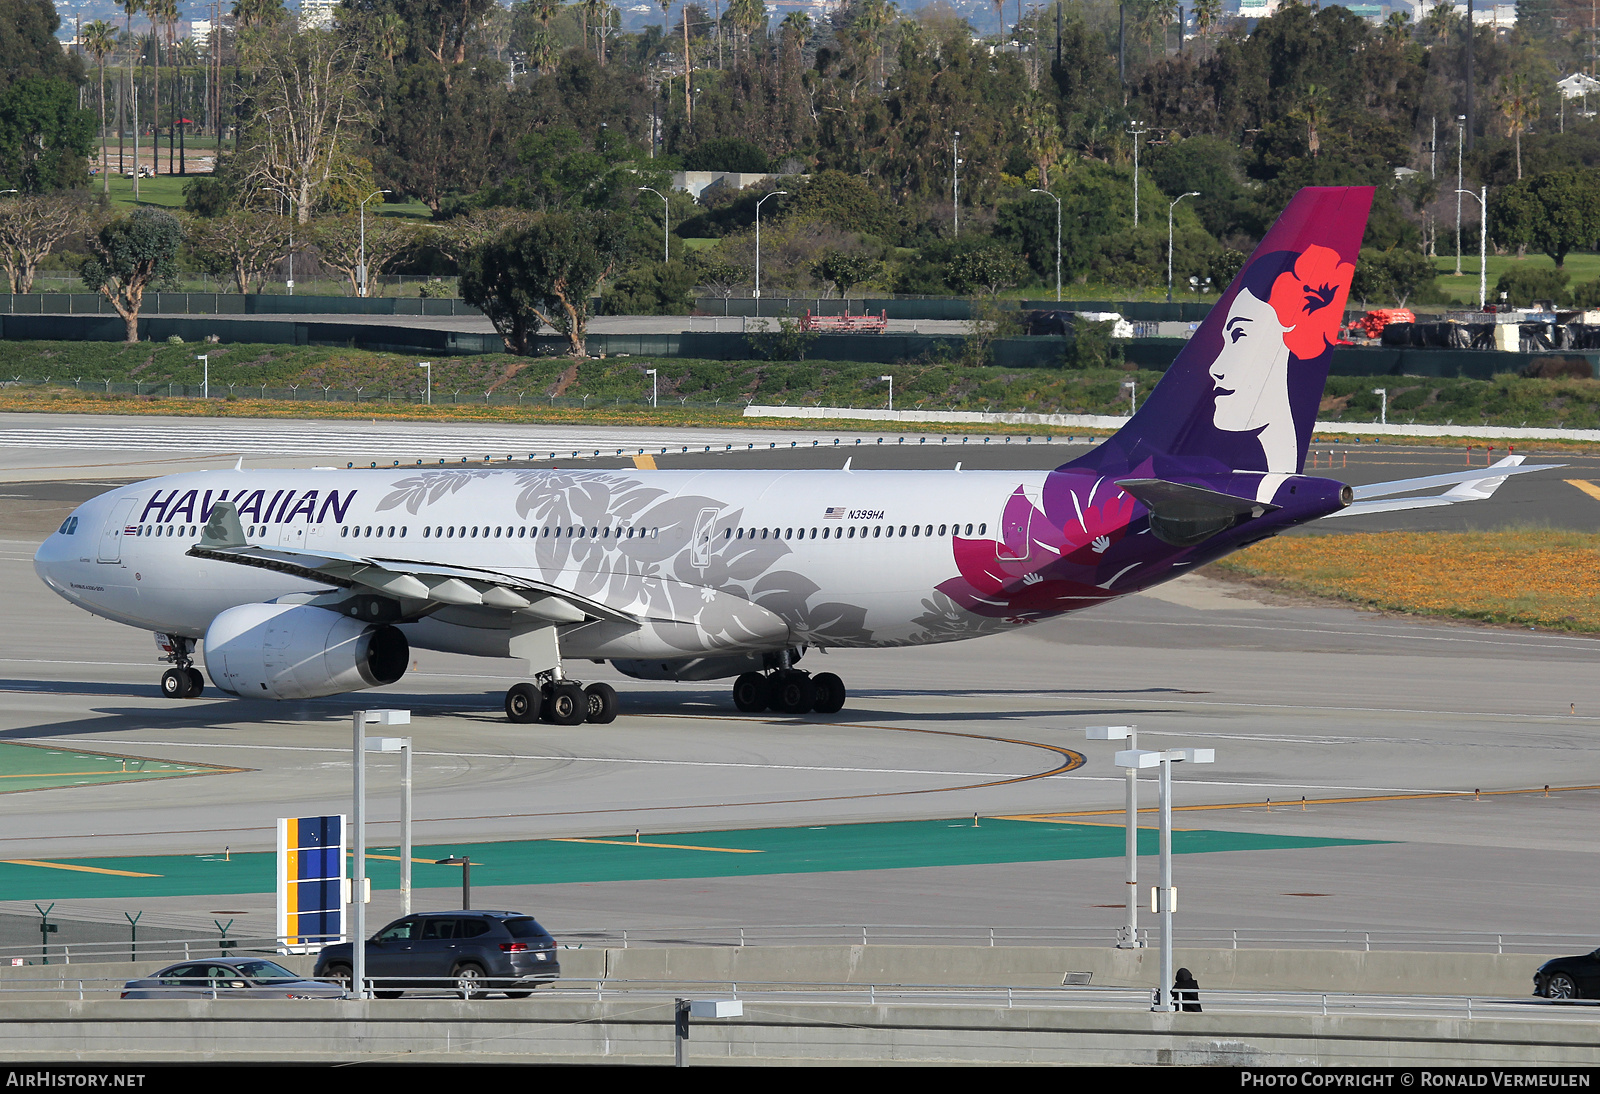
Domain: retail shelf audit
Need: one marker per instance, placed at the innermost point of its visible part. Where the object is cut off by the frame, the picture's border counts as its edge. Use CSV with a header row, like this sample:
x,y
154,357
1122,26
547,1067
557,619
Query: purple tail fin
x,y
1243,393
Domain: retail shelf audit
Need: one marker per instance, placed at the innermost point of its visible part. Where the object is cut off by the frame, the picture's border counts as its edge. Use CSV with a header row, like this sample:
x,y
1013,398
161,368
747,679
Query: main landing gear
x,y
788,690
561,702
183,680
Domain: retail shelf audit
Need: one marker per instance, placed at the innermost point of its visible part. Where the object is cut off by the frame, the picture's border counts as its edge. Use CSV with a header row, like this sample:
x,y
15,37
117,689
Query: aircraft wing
x,y
222,540
1474,485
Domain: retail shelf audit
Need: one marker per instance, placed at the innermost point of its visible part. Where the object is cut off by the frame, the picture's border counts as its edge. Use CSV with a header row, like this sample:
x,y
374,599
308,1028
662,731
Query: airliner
x,y
300,584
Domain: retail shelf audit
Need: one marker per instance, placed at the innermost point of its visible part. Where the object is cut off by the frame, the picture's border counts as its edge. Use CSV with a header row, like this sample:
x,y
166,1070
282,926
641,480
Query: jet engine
x,y
293,651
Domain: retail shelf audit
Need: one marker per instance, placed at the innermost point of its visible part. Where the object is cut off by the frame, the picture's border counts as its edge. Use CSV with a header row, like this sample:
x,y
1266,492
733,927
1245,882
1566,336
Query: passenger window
x,y
981,528
877,531
425,533
969,529
941,529
344,531
915,528
727,533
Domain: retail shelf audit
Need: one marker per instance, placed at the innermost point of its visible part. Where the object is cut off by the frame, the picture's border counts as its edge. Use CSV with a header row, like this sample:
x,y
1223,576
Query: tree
x,y
845,269
28,46
1556,212
309,108
130,254
1519,106
30,228
444,131
338,241
1395,275
243,245
100,41
990,267
543,275
438,28
45,140
459,236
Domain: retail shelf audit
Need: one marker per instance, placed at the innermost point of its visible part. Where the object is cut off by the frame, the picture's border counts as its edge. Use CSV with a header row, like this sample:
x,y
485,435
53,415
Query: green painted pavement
x,y
43,767
887,846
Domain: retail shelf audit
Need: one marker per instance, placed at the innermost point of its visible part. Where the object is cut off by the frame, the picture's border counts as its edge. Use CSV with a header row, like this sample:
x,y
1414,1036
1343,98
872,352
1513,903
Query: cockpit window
x,y
69,526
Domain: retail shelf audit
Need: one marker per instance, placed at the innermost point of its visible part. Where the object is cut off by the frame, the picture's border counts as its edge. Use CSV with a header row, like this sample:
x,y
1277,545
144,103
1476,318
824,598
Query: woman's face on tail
x,y
1250,375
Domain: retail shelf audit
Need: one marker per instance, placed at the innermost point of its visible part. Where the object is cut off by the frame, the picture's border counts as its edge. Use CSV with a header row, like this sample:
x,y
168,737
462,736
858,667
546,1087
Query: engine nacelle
x,y
292,651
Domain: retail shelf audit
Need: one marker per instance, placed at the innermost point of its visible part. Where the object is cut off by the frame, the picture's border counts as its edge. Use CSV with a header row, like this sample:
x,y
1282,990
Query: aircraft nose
x,y
63,546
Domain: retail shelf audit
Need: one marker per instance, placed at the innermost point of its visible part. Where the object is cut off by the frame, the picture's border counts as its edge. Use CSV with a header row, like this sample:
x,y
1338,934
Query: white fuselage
x,y
703,561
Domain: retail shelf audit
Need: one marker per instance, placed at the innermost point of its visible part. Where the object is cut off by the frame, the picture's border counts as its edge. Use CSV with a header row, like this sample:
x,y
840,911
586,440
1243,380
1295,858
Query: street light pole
x,y
774,194
666,223
1461,134
288,204
1166,895
1138,130
1132,387
1383,408
1180,197
1057,200
1483,241
955,180
429,366
205,381
1130,933
359,891
361,271
891,389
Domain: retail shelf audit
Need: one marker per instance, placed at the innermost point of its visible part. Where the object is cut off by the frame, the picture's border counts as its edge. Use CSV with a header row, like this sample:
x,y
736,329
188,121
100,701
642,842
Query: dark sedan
x,y
243,978
1569,977
469,953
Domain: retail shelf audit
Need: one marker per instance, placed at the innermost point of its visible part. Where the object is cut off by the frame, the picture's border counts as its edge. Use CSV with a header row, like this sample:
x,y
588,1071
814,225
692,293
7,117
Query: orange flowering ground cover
x,y
1535,577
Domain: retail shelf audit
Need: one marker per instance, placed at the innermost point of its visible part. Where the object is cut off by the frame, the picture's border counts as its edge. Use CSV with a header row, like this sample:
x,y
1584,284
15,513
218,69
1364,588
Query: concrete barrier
x,y
552,1029
1334,971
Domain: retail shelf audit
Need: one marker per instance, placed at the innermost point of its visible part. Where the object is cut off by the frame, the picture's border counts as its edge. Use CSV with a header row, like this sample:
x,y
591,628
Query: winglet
x,y
223,529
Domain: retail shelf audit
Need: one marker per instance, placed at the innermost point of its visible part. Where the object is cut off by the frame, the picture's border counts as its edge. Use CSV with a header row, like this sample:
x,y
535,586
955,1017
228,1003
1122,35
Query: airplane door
x,y
291,535
111,533
700,545
1015,542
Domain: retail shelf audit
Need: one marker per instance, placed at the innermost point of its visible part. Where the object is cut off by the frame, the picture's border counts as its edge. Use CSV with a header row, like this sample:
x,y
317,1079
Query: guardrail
x,y
1367,940
885,934
1108,997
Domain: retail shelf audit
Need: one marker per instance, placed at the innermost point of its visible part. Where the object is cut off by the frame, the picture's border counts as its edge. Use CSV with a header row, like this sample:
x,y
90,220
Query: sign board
x,y
311,882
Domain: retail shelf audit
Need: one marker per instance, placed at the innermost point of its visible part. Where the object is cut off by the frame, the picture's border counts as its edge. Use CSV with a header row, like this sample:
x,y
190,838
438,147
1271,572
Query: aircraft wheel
x,y
792,692
522,703
601,704
830,693
565,704
197,683
175,684
750,693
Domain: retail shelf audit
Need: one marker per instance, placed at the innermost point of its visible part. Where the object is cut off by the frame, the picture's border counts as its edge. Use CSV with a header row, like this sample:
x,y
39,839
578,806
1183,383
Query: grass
x,y
1464,289
618,383
1527,576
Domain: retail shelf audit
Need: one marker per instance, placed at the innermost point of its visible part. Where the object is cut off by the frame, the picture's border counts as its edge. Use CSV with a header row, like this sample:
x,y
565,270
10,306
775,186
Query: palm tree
x,y
1206,15
130,9
1397,28
100,40
1164,12
1519,106
1312,111
1000,15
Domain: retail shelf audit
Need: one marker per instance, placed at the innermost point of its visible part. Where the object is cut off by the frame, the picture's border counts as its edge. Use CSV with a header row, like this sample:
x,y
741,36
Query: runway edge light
x,y
388,717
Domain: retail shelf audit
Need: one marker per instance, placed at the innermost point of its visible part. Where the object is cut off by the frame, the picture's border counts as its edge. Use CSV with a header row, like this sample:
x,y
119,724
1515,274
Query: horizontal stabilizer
x,y
1478,484
1184,515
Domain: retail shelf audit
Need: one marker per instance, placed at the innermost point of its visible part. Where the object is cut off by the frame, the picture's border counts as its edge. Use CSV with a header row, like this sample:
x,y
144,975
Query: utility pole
x,y
1461,136
1138,129
955,179
1471,49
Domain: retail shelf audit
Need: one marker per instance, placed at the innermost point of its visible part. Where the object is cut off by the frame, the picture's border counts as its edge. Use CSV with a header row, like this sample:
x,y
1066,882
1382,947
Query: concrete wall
x,y
626,1029
1341,971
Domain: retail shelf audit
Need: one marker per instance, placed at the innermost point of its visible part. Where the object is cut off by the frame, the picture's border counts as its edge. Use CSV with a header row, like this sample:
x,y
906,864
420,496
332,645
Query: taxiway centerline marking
x,y
668,846
1288,804
70,866
1587,487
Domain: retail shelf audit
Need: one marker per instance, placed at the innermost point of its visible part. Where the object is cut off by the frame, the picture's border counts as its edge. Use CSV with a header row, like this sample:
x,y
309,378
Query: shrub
x,y
1525,284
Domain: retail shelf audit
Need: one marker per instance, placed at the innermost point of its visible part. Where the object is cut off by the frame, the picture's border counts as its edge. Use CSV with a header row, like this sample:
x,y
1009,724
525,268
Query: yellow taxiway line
x,y
70,866
668,846
1587,487
1290,803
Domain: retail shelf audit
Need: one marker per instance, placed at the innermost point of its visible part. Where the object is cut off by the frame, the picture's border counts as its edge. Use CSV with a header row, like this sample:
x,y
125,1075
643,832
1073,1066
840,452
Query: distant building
x,y
200,32
317,13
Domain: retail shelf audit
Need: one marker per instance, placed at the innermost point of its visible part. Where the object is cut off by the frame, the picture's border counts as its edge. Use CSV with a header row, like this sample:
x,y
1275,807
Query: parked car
x,y
244,978
470,953
1569,977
